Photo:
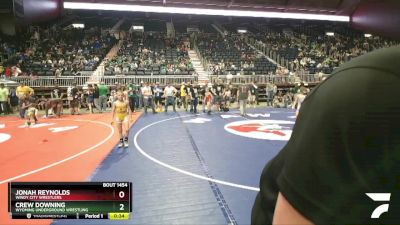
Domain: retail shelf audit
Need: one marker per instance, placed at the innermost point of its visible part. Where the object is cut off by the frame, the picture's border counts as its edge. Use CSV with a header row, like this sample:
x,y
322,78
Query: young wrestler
x,y
42,103
31,113
121,114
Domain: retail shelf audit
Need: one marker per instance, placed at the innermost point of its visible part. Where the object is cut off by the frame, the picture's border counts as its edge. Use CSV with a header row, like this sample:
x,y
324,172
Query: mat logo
x,y
39,125
276,130
4,137
256,115
379,197
197,120
229,116
61,129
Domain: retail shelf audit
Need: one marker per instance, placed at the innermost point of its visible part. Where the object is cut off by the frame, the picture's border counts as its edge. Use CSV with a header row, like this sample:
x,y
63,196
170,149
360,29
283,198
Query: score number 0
x,y
121,194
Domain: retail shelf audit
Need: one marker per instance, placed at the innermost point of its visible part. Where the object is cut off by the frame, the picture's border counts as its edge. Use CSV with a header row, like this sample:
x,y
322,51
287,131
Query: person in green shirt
x,y
103,92
131,96
4,95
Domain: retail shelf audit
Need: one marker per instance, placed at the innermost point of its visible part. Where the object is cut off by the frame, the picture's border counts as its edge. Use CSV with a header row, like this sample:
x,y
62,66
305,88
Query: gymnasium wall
x,y
378,17
7,24
32,11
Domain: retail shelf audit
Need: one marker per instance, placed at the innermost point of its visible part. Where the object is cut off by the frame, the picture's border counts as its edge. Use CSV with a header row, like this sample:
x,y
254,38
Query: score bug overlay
x,y
70,200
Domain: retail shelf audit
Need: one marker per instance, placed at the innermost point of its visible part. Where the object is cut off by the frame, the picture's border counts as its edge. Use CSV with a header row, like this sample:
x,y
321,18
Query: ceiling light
x,y
138,27
200,11
78,25
330,34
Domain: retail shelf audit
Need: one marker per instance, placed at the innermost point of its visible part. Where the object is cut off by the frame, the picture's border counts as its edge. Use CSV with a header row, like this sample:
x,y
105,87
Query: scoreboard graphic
x,y
70,200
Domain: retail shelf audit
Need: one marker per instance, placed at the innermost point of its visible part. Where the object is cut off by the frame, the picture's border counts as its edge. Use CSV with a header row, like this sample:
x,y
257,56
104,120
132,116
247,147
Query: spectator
x,y
8,72
76,99
253,94
4,99
96,96
158,93
16,71
227,97
56,93
169,94
103,92
184,96
42,103
194,95
14,101
1,70
218,92
242,95
90,97
131,96
147,97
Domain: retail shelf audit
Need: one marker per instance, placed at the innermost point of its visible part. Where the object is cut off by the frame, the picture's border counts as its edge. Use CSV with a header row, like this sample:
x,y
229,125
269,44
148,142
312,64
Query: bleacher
x,y
307,47
151,54
233,55
62,52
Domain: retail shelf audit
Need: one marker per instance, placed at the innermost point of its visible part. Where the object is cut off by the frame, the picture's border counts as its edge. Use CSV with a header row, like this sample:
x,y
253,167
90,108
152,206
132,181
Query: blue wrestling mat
x,y
196,169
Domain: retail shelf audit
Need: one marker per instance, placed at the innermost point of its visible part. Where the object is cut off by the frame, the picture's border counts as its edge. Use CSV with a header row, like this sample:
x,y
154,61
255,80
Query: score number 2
x,y
121,194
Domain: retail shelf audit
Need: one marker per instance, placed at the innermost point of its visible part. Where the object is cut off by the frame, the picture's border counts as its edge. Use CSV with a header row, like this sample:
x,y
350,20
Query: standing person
x,y
96,95
203,90
140,96
158,93
188,99
13,100
4,99
148,97
103,92
121,114
253,94
270,94
218,91
208,100
90,98
136,95
242,96
131,96
194,95
75,102
169,94
22,92
227,97
298,99
183,95
56,102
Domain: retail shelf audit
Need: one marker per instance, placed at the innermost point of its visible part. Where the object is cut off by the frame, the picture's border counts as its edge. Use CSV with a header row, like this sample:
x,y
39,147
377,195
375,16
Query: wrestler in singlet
x,y
121,111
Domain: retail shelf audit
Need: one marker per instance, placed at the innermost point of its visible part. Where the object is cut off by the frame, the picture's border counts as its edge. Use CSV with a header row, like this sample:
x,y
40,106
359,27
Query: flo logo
x,y
379,197
277,130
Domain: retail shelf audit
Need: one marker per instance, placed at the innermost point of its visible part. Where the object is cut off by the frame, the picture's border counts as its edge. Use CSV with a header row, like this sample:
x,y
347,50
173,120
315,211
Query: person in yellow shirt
x,y
183,95
23,92
121,114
